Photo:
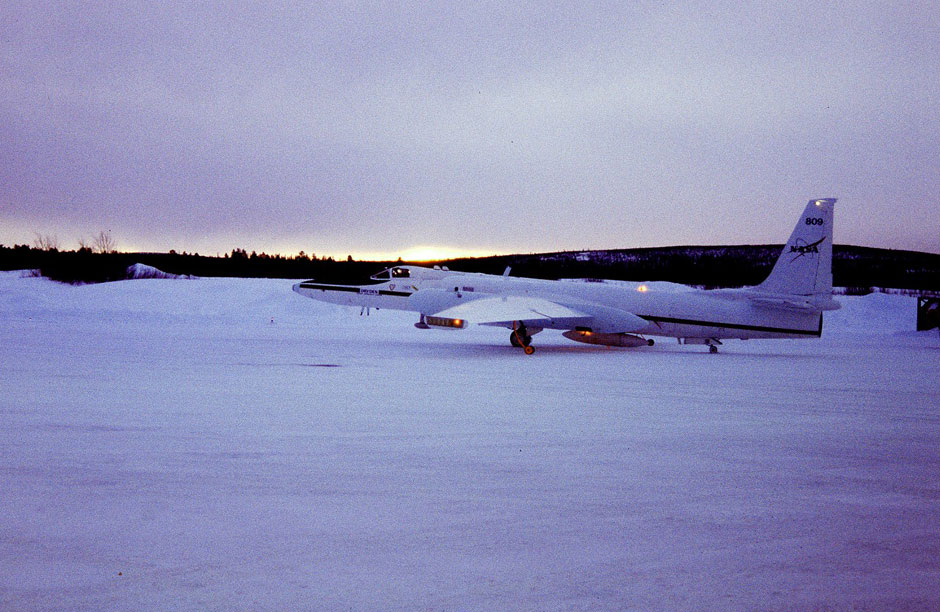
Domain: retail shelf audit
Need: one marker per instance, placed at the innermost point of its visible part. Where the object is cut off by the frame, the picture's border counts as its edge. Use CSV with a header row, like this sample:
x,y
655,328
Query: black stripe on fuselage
x,y
757,328
353,289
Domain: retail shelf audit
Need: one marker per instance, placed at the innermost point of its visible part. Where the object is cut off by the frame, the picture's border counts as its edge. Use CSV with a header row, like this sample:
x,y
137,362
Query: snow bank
x,y
876,313
139,270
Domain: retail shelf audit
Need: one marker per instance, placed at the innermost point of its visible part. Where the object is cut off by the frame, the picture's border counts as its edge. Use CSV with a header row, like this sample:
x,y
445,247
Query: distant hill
x,y
721,266
707,266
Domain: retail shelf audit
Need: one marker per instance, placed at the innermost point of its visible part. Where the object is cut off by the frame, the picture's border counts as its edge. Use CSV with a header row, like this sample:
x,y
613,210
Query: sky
x,y
400,129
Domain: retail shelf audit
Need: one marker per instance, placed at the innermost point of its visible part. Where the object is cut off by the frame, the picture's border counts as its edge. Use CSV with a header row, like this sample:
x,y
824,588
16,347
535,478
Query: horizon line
x,y
454,255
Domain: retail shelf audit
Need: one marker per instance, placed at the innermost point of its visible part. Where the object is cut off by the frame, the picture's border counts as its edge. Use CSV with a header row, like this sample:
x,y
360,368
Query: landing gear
x,y
520,338
711,343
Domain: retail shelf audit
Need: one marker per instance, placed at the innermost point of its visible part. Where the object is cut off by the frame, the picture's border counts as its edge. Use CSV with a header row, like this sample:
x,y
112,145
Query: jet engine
x,y
589,337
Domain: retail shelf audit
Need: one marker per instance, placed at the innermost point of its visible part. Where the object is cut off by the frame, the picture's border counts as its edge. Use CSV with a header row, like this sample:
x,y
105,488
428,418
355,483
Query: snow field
x,y
165,445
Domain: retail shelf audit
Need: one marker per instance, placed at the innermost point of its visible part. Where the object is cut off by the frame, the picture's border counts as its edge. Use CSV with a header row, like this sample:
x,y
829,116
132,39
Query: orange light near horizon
x,y
433,253
642,288
421,254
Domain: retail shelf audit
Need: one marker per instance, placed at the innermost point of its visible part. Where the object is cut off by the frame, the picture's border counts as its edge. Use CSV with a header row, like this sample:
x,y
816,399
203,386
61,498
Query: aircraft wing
x,y
504,311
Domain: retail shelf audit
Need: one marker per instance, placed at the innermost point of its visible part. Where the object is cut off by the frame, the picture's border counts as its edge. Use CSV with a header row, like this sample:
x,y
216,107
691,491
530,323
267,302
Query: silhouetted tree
x,y
46,242
103,243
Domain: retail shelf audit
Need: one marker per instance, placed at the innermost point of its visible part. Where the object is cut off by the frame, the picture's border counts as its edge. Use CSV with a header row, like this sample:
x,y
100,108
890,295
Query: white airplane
x,y
788,304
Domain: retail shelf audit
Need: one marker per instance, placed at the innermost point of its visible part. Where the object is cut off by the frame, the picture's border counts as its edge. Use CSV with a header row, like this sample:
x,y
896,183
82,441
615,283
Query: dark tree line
x,y
729,266
87,266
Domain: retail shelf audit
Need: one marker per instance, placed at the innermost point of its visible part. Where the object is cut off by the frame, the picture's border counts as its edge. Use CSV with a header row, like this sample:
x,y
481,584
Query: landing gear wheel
x,y
529,349
519,341
520,338
712,348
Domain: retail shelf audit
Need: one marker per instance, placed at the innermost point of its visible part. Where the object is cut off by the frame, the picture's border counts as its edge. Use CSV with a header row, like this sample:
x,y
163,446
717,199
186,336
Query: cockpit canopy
x,y
392,274
398,274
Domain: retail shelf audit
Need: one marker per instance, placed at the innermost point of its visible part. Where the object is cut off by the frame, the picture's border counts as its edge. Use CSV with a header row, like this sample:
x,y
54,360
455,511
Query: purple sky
x,y
341,128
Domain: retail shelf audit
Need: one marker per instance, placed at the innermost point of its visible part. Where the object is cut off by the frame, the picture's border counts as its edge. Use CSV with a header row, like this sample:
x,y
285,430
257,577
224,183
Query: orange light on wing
x,y
445,322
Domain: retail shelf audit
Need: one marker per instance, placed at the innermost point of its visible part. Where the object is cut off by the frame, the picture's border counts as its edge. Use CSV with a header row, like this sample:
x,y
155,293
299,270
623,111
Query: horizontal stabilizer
x,y
816,304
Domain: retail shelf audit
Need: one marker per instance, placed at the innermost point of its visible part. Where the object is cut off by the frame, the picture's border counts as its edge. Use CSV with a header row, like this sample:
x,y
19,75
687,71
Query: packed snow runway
x,y
225,444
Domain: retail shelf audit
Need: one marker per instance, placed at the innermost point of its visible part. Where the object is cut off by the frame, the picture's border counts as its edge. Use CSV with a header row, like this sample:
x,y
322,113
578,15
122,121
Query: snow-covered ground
x,y
225,444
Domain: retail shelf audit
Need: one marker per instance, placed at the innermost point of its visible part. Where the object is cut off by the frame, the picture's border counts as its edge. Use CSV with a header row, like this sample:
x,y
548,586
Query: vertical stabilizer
x,y
805,266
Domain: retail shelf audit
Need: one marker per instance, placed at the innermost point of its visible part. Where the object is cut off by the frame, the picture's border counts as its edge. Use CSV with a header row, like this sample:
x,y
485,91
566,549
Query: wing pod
x,y
587,337
444,322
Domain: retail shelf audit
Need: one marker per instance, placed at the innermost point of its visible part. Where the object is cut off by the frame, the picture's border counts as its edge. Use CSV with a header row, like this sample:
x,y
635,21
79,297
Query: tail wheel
x,y
529,349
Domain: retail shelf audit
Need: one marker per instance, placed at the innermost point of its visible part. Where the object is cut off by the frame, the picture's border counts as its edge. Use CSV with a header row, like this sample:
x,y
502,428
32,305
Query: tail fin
x,y
805,266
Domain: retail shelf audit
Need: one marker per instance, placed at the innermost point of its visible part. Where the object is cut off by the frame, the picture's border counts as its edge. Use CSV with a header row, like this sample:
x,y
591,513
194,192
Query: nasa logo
x,y
803,249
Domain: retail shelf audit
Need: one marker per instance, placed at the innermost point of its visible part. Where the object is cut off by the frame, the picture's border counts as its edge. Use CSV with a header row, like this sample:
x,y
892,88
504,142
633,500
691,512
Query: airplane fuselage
x,y
679,314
